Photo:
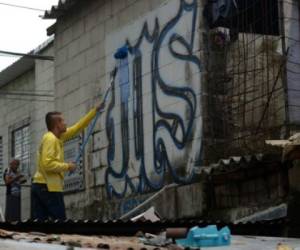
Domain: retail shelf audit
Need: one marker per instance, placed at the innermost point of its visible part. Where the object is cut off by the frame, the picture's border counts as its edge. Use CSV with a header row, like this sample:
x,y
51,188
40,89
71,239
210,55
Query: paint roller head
x,y
121,53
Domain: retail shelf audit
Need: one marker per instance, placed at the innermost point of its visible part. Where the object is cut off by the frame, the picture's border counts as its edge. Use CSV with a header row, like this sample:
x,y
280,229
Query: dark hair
x,y
49,119
17,161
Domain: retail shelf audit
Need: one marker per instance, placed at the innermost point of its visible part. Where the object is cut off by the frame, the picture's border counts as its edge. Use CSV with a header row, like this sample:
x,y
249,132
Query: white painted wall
x,y
180,74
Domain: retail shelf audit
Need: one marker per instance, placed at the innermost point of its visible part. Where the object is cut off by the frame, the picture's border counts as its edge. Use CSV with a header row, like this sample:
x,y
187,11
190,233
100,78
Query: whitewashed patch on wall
x,y
153,116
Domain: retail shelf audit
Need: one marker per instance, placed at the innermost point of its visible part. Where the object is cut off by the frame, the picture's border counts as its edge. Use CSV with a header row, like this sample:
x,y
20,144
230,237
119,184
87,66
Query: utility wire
x,y
34,56
25,94
21,7
24,99
30,91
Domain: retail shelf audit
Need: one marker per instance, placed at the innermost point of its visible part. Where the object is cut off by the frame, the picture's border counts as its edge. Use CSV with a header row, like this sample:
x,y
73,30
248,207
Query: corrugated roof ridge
x,y
57,10
232,161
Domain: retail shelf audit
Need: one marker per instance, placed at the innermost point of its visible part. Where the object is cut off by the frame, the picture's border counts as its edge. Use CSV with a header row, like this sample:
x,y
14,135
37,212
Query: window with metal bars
x,y
20,142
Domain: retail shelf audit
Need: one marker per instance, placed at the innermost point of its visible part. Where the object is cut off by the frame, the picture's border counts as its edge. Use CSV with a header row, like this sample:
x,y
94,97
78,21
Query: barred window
x,y
21,147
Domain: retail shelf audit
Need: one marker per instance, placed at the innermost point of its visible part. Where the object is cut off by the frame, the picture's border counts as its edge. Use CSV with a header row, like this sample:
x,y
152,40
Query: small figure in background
x,y
13,180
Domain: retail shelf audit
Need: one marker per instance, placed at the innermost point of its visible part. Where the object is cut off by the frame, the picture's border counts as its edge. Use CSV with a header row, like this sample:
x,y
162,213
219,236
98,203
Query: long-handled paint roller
x,y
120,54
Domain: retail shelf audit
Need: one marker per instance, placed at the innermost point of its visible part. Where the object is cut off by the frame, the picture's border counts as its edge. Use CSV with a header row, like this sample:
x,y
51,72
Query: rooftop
x,y
37,240
25,63
59,9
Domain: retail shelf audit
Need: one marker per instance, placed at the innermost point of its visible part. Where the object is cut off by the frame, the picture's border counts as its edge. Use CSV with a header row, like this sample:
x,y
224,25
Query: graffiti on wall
x,y
153,120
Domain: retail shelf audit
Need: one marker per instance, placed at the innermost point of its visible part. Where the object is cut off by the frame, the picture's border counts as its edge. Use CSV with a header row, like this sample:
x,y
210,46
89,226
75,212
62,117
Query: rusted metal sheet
x,y
36,240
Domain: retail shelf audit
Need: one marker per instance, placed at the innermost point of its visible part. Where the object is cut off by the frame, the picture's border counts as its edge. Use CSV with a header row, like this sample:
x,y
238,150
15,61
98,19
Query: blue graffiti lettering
x,y
169,127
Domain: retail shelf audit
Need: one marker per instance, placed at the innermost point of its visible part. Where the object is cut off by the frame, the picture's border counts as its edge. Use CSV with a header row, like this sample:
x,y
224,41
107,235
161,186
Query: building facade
x,y
27,93
202,81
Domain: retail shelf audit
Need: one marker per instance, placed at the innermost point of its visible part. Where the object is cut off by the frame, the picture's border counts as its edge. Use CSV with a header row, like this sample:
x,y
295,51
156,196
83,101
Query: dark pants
x,y
13,207
46,205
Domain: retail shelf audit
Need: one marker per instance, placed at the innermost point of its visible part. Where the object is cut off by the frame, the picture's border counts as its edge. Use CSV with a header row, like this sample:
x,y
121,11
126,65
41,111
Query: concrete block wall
x,y
153,130
38,79
154,119
245,101
44,83
2,203
157,124
14,110
271,118
292,34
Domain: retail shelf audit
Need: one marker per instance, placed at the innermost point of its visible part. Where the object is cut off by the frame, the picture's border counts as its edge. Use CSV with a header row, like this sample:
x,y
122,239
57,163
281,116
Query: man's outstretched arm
x,y
82,123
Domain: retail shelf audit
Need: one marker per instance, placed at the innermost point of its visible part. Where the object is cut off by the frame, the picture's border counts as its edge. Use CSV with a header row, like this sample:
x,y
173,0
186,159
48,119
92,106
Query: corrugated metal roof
x,y
22,65
16,239
235,162
59,9
130,228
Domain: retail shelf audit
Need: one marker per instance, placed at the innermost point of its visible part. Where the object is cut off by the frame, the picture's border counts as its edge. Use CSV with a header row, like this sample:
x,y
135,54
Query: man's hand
x,y
22,179
100,106
72,166
19,176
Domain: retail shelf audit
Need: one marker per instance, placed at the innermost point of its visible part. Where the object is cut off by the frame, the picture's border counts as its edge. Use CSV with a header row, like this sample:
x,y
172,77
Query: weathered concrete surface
x,y
254,243
151,130
177,202
15,245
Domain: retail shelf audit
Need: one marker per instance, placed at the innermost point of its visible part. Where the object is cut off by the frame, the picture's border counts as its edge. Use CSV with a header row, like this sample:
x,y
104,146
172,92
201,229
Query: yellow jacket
x,y
50,160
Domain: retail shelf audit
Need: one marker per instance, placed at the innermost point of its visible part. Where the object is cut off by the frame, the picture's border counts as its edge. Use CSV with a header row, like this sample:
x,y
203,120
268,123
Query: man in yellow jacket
x,y
47,186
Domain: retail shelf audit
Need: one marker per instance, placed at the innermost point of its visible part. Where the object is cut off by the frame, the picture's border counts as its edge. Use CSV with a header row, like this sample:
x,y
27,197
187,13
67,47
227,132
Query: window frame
x,y
25,157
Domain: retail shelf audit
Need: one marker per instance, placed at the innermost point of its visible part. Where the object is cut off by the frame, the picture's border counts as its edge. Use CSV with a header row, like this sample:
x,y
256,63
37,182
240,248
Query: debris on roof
x,y
148,215
11,240
265,243
103,242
